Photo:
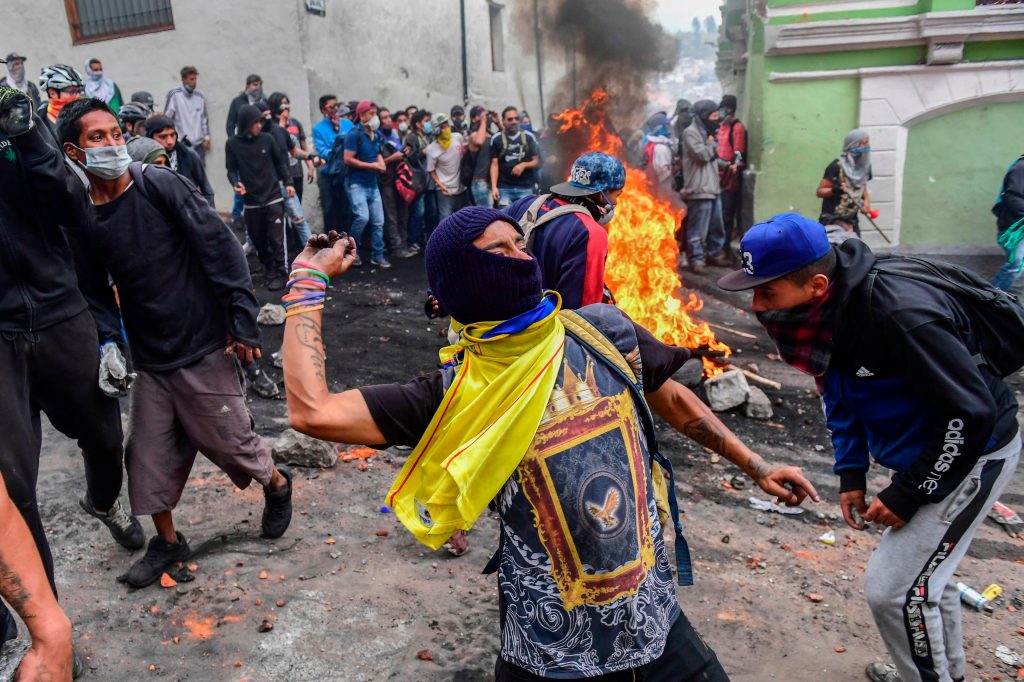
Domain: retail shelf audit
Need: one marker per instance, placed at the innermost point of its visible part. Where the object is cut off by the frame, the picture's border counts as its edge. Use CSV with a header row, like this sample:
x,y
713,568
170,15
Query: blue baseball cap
x,y
592,173
777,247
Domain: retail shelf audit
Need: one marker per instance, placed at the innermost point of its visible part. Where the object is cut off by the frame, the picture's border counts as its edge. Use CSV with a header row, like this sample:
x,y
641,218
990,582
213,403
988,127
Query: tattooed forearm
x,y
13,591
707,432
308,332
756,467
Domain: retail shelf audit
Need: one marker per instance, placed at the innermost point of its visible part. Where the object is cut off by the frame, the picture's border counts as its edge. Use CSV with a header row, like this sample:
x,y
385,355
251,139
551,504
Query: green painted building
x,y
938,84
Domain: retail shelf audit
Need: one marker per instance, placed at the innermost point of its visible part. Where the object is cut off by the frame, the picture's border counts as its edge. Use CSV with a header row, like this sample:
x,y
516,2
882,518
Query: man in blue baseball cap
x,y
905,382
566,229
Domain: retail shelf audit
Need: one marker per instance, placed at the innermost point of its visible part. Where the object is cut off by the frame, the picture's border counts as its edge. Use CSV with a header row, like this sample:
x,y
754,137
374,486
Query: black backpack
x,y
997,318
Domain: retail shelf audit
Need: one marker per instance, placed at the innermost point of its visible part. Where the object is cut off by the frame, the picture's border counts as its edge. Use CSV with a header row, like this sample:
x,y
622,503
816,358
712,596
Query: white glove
x,y
114,377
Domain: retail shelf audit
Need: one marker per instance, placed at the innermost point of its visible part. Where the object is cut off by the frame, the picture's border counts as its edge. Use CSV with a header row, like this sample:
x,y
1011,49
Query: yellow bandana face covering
x,y
484,426
444,138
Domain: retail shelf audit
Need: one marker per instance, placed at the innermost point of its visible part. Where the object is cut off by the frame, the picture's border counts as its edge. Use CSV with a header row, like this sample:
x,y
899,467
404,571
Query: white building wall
x,y
394,53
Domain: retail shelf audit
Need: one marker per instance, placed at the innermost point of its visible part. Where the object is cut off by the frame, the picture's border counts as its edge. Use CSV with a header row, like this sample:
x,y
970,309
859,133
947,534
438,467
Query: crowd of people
x,y
125,283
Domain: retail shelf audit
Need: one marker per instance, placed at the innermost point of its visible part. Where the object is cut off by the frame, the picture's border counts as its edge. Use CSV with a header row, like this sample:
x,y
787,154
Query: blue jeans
x,y
510,195
704,228
448,204
236,208
367,208
481,190
293,207
1010,273
423,217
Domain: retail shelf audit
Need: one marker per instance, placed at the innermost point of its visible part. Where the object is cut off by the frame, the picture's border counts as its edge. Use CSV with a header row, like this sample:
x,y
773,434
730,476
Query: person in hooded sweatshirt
x,y
657,156
257,167
904,382
705,230
844,188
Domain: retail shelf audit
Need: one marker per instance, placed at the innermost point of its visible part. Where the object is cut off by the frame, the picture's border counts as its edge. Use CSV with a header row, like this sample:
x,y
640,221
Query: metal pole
x,y
465,55
540,73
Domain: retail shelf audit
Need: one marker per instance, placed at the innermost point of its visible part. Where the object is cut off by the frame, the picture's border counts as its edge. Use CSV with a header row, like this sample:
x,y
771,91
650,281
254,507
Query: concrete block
x,y
933,89
758,405
883,138
883,164
877,112
292,447
727,390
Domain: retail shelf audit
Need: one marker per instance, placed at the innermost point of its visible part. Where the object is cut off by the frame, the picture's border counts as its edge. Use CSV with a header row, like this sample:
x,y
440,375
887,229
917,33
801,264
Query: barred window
x,y
94,20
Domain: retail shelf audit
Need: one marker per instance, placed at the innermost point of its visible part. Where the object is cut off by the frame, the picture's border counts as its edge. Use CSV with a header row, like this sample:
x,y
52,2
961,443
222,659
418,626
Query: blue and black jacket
x,y
904,388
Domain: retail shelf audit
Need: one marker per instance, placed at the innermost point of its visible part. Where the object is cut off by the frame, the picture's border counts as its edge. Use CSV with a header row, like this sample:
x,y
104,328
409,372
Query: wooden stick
x,y
757,378
737,332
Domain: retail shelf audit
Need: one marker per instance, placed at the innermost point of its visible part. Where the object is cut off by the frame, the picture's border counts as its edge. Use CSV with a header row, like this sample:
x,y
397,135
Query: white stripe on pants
x,y
909,581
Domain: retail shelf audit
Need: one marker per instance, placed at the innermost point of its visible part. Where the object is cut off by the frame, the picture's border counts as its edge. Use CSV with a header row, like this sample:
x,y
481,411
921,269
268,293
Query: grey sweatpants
x,y
909,581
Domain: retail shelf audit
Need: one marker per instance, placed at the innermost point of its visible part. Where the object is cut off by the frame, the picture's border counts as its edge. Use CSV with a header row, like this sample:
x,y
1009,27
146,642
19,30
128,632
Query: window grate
x,y
93,20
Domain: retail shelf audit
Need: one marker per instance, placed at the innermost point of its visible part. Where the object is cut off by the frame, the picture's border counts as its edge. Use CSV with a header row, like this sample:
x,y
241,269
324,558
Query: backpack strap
x,y
531,222
592,339
137,170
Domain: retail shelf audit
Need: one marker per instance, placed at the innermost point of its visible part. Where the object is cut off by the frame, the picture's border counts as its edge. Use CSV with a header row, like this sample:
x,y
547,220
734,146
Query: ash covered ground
x,y
351,596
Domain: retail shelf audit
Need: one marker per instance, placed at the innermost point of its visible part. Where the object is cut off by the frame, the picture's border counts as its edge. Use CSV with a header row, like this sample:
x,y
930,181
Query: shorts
x,y
176,414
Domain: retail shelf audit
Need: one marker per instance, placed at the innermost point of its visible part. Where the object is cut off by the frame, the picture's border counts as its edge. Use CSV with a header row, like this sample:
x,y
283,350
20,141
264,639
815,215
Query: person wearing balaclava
x,y
101,88
527,413
844,188
257,167
681,119
17,79
705,231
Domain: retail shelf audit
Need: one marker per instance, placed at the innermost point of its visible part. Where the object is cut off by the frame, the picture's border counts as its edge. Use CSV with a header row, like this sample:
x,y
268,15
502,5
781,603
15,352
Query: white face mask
x,y
108,163
403,127
607,217
374,123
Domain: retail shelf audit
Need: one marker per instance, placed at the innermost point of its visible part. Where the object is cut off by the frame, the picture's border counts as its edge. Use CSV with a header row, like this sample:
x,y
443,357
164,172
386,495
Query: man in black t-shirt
x,y
580,436
188,307
514,156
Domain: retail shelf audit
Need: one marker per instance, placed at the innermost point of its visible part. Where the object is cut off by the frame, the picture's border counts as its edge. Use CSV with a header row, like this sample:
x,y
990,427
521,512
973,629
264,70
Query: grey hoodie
x,y
700,163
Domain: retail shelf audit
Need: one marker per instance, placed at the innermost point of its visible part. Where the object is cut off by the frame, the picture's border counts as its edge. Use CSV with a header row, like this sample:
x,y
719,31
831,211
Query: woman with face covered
x,y
844,189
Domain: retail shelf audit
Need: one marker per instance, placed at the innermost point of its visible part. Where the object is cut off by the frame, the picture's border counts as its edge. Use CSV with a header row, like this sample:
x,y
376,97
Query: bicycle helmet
x,y
59,77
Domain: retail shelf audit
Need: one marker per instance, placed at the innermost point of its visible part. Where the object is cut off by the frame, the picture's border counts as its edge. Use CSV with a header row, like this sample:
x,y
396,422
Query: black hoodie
x,y
258,162
903,377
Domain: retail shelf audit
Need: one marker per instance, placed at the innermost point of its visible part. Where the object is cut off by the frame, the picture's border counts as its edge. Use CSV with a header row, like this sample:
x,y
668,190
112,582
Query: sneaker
x,y
263,386
358,262
276,281
405,253
415,248
381,262
698,268
124,527
255,269
248,248
882,672
277,507
159,556
720,261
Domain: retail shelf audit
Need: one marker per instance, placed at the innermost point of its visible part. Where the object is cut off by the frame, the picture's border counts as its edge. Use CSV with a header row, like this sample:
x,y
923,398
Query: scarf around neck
x,y
803,334
504,375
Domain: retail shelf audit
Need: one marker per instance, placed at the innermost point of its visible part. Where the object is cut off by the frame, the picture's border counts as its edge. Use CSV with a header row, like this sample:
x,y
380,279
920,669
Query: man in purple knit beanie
x,y
584,577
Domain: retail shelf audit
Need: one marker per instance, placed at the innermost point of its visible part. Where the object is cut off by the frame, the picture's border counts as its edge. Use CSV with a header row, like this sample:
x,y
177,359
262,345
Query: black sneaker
x,y
276,281
262,385
277,507
160,555
123,526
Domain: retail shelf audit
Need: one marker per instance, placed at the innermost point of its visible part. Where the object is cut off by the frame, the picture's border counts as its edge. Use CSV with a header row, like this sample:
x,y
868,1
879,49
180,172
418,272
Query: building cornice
x,y
983,23
798,76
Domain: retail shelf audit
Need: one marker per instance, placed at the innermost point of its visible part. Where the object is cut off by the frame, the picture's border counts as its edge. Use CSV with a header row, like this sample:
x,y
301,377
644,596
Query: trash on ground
x,y
767,505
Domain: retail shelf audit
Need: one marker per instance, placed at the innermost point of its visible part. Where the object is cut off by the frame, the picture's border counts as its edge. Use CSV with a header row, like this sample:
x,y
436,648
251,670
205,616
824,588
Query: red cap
x,y
363,106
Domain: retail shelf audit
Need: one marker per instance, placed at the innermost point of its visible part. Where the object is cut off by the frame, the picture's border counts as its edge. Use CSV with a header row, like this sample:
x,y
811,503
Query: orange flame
x,y
642,250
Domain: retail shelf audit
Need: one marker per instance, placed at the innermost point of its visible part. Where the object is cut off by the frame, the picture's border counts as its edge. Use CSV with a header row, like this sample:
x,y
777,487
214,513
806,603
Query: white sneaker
x,y
381,263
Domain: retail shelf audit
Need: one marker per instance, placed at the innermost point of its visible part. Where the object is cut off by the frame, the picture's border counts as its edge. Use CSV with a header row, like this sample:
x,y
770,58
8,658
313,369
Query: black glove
x,y
15,112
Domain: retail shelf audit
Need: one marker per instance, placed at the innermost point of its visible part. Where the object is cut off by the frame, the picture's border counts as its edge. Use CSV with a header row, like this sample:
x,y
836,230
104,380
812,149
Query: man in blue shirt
x,y
364,161
326,133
